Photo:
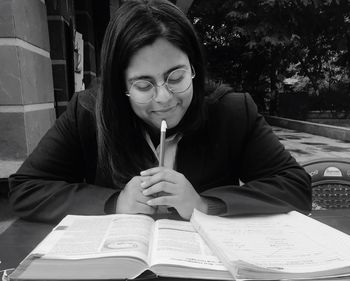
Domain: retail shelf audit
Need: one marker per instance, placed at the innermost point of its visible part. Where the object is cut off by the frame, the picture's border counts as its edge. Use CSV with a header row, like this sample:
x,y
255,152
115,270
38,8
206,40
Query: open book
x,y
275,247
120,247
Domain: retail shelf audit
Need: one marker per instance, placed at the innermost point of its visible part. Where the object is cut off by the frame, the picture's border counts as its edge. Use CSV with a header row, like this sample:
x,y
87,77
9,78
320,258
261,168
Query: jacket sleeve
x,y
273,181
51,183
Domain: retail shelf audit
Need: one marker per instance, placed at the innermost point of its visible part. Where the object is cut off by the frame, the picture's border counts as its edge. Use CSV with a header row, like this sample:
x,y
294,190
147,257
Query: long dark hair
x,y
122,150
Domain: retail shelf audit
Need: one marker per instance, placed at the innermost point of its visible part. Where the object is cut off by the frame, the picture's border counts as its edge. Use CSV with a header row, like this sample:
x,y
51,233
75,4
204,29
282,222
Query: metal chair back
x,y
330,182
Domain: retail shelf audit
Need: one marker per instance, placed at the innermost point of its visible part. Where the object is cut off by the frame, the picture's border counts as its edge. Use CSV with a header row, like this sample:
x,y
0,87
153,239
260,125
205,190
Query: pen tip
x,y
163,126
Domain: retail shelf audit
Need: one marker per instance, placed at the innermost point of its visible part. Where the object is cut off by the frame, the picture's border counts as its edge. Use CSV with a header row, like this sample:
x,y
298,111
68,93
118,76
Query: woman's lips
x,y
165,110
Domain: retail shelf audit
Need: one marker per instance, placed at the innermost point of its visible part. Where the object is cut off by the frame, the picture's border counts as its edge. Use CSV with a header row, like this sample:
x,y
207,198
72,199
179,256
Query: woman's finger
x,y
162,186
151,171
142,198
163,200
143,208
164,175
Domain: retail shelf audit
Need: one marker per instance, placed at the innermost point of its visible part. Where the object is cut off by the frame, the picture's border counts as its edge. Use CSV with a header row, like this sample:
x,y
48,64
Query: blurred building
x,y
48,50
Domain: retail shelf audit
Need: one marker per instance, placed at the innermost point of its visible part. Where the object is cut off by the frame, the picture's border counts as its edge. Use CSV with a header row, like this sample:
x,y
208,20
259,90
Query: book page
x,y
178,243
284,242
80,237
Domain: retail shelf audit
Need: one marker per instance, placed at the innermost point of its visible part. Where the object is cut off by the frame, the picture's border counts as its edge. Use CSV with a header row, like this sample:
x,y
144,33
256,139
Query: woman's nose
x,y
162,94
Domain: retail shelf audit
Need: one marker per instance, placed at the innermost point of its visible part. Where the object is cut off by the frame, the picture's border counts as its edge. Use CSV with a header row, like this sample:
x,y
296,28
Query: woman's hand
x,y
131,200
172,189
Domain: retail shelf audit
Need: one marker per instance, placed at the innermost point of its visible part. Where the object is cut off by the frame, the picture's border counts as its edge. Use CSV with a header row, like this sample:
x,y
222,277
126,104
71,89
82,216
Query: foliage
x,y
261,46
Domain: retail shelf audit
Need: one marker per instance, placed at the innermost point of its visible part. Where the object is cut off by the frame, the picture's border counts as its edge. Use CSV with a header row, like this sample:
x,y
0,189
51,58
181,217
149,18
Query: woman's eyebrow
x,y
139,77
175,67
148,77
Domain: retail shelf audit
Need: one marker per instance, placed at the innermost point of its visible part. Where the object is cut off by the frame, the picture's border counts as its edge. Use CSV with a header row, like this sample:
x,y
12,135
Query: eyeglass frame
x,y
155,85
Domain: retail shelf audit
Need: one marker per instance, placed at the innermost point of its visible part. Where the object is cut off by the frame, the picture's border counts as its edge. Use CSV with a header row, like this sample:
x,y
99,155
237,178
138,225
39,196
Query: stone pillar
x,y
61,30
26,84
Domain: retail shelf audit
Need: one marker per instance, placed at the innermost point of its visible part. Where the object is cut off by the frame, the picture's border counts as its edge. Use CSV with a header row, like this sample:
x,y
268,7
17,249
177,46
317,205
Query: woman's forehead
x,y
156,59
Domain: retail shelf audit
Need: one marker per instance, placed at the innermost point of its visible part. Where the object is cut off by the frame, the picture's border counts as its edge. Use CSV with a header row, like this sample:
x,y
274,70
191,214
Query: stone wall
x,y
26,84
333,132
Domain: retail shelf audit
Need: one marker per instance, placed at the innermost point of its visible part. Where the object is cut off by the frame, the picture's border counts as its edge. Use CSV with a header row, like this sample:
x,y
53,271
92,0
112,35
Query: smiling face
x,y
154,63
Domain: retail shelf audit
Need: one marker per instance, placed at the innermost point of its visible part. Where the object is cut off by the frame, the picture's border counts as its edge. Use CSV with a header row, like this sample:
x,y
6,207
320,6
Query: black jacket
x,y
236,144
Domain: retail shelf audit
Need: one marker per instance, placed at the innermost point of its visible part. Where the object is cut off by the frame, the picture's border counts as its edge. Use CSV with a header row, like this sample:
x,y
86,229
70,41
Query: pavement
x,y
305,147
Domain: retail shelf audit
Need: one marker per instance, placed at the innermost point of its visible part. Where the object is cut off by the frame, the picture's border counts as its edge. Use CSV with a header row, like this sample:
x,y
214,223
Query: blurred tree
x,y
255,45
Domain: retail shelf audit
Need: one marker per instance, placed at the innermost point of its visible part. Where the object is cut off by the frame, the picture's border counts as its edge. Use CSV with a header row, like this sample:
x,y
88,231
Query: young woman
x,y
101,156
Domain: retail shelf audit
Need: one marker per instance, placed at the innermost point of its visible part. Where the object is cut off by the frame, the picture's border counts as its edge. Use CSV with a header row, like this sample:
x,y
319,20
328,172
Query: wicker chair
x,y
330,182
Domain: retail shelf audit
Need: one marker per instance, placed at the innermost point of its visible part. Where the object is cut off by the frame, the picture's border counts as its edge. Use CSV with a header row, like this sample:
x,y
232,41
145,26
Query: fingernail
x,y
150,202
142,173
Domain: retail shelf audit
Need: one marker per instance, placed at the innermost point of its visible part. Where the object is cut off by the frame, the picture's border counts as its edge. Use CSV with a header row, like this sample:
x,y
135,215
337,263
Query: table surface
x,y
22,236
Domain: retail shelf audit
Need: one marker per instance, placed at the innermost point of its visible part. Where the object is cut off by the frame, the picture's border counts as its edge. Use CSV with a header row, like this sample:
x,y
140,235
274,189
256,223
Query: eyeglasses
x,y
178,81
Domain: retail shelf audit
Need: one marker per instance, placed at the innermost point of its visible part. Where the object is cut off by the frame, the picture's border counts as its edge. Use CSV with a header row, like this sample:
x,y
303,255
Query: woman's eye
x,y
143,86
176,78
174,81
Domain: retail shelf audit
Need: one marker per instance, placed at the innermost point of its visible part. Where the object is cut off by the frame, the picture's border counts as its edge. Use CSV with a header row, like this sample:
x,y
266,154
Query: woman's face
x,y
154,63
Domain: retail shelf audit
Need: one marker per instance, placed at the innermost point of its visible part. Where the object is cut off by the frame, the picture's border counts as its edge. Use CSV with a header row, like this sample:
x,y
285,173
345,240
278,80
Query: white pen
x,y
163,128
